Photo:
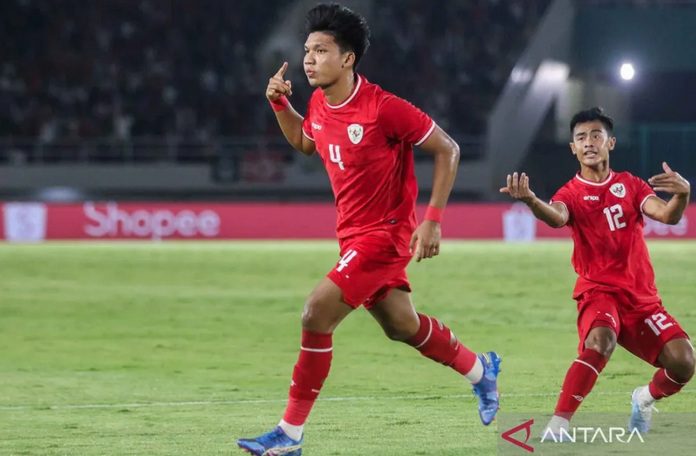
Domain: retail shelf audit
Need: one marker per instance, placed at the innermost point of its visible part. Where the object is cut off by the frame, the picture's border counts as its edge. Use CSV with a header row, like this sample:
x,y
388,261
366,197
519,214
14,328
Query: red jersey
x,y
366,144
606,219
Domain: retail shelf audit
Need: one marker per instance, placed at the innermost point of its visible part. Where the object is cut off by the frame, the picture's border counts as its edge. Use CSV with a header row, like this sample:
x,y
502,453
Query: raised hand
x,y
277,86
518,187
670,182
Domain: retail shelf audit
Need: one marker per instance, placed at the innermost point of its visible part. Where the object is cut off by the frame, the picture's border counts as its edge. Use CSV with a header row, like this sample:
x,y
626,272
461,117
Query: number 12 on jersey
x,y
657,323
614,214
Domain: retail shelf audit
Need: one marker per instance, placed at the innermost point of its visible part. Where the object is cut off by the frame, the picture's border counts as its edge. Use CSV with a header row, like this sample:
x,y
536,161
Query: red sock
x,y
309,374
579,381
435,341
664,385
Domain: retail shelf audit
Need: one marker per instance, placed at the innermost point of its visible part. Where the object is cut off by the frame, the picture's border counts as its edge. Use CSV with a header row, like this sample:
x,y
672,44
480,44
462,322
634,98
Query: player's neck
x,y
597,173
339,91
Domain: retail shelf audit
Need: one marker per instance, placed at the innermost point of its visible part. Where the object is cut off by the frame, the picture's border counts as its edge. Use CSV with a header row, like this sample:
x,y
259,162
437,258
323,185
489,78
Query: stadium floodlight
x,y
627,71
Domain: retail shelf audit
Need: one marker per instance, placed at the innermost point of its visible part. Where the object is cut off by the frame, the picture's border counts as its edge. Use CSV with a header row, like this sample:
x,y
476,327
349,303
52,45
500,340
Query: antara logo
x,y
583,435
527,426
592,435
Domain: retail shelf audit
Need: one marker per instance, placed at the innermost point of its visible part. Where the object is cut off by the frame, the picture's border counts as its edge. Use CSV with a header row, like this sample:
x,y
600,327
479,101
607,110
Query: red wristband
x,y
434,214
280,104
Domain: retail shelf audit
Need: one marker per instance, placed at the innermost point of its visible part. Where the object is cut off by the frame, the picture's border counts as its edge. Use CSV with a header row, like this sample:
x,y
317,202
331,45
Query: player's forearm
x,y
444,173
290,122
546,213
675,208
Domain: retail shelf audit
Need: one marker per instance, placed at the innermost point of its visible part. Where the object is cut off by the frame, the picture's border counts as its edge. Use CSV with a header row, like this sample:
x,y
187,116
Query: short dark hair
x,y
590,115
348,28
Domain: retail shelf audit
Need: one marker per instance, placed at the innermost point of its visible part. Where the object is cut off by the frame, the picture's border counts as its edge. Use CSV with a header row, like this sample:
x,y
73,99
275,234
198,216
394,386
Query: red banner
x,y
34,222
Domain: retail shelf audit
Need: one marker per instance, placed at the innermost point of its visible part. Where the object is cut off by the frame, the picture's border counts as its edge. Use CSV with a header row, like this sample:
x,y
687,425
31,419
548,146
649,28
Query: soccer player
x,y
364,135
615,290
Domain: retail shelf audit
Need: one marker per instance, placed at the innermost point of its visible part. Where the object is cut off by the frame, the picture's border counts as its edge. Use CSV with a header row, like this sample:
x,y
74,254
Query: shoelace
x,y
490,400
647,408
485,396
272,438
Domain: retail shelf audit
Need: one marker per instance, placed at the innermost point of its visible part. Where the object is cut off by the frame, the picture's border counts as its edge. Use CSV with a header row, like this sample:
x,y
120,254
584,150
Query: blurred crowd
x,y
450,58
120,69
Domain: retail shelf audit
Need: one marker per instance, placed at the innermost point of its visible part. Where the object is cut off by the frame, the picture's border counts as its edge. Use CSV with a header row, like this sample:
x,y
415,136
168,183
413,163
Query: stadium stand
x,y
185,68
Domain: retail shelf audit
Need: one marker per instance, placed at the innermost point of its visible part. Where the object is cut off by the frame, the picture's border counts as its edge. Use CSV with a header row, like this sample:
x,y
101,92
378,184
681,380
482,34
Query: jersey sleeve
x,y
307,122
642,192
402,121
564,195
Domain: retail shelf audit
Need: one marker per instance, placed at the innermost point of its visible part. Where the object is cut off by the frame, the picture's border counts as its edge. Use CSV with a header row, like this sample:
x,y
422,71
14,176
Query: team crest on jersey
x,y
355,133
618,190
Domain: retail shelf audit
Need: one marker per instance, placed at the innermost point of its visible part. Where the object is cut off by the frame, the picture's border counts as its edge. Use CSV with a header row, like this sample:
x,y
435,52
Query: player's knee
x,y
691,363
308,318
604,350
320,314
684,366
678,359
604,344
688,365
311,316
312,321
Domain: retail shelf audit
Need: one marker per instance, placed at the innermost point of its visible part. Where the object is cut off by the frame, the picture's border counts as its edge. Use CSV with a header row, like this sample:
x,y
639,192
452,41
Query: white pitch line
x,y
11,408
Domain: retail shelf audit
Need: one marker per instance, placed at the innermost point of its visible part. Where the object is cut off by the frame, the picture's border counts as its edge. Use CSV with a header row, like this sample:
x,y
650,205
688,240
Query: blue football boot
x,y
487,389
274,443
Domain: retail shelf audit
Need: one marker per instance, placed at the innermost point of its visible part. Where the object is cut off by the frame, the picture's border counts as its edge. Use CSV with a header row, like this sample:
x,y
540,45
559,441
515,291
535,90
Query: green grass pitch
x,y
179,348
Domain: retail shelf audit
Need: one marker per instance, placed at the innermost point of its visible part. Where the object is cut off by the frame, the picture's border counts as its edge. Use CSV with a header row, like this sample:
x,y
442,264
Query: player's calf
x,y
579,381
602,340
436,341
402,332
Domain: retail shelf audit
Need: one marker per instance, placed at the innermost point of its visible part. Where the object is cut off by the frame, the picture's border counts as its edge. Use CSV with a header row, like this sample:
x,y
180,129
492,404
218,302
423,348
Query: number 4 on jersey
x,y
335,155
345,259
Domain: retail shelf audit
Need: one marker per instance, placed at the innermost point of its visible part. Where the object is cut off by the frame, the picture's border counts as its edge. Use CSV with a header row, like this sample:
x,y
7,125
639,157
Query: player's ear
x,y
348,60
572,148
612,142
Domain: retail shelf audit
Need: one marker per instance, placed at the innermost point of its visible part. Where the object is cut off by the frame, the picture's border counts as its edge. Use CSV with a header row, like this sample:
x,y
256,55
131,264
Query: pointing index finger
x,y
282,70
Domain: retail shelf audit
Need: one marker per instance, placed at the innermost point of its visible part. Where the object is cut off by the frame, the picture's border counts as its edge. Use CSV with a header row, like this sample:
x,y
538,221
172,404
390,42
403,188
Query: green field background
x,y
179,348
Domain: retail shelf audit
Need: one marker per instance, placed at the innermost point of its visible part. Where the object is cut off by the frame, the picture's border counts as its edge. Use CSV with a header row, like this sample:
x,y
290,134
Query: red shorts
x,y
369,267
643,330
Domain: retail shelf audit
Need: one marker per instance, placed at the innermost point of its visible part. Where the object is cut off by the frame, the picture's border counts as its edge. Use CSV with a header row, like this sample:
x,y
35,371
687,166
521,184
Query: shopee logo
x,y
154,224
661,229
